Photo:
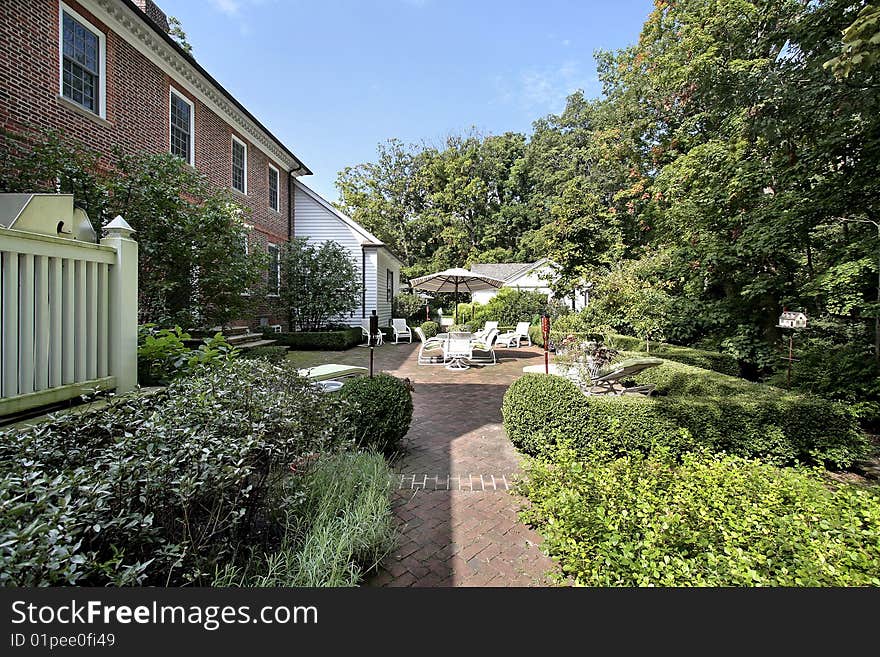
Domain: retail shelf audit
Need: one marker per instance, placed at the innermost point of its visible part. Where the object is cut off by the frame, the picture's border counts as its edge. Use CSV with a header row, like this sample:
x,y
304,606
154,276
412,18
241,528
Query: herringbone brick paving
x,y
466,532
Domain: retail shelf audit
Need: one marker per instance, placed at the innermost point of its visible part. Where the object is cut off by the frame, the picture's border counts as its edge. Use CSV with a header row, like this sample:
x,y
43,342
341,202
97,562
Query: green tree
x,y
320,283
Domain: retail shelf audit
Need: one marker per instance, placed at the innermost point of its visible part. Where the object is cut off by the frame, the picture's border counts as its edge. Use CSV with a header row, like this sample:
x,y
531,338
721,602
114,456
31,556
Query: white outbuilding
x,y
318,221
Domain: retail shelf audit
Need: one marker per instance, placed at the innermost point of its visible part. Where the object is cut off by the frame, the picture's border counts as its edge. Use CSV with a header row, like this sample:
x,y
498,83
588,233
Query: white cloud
x,y
545,89
228,7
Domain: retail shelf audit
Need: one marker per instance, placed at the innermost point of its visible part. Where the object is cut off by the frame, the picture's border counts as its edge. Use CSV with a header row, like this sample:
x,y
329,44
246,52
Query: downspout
x,y
289,233
363,282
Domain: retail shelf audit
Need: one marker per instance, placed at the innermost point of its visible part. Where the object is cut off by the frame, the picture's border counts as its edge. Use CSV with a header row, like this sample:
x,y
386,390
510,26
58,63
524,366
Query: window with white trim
x,y
82,52
239,165
181,122
273,188
274,282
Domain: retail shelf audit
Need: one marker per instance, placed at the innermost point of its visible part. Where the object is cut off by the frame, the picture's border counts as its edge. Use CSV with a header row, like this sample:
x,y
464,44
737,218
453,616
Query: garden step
x,y
240,338
244,346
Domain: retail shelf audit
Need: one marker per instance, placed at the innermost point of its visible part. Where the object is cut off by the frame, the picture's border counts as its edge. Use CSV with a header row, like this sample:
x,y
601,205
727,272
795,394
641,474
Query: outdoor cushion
x,y
629,362
331,371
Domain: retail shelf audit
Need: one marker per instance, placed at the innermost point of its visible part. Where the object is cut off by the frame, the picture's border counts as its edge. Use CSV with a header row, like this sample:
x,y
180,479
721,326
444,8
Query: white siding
x,y
372,261
318,225
386,263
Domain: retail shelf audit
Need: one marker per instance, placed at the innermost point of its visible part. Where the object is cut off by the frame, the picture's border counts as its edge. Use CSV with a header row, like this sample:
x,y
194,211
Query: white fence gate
x,y
69,316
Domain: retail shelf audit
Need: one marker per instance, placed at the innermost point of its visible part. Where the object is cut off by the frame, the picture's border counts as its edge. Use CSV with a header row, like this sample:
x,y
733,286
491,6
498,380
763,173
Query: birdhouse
x,y
46,214
792,320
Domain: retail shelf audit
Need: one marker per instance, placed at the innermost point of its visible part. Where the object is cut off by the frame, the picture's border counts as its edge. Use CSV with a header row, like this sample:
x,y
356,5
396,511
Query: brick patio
x,y
457,515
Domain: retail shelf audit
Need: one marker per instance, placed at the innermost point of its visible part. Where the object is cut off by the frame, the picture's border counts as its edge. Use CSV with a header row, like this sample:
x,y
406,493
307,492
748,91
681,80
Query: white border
x,y
269,247
277,207
102,60
231,177
192,123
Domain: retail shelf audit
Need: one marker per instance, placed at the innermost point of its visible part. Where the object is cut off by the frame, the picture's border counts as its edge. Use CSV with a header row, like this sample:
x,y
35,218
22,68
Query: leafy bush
x,y
272,353
192,269
378,411
537,406
163,354
320,283
536,335
699,408
510,306
340,525
709,360
336,340
708,521
408,306
159,489
430,329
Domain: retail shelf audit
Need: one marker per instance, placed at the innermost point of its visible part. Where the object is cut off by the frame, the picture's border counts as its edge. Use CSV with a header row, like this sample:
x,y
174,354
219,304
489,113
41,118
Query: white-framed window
x,y
389,283
181,126
239,165
274,201
274,281
82,56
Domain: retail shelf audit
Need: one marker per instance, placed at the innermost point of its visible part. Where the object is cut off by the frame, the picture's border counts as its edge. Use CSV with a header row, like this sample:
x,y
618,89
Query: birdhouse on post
x,y
792,320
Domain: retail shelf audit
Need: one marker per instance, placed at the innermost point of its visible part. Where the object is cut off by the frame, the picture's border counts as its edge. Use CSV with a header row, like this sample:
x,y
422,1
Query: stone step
x,y
244,346
239,338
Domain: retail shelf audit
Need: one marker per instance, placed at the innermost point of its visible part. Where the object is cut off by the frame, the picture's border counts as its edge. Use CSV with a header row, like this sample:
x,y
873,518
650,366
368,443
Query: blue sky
x,y
333,78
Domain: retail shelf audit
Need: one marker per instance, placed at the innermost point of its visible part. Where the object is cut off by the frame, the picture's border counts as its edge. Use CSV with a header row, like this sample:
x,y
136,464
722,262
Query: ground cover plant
x,y
163,489
701,520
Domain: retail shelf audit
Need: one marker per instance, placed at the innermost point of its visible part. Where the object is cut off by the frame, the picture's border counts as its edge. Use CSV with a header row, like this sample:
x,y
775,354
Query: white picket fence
x,y
69,316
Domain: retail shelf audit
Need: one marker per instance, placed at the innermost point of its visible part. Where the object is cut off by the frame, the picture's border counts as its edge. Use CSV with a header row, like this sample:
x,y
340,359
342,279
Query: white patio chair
x,y
401,330
431,351
365,330
485,346
514,338
457,351
490,325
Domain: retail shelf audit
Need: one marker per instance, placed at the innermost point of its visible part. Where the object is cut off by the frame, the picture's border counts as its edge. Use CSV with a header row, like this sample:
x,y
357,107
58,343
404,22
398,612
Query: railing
x,y
69,316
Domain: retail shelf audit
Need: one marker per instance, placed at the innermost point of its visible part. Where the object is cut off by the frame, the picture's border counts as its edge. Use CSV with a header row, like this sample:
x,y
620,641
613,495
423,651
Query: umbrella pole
x,y
455,313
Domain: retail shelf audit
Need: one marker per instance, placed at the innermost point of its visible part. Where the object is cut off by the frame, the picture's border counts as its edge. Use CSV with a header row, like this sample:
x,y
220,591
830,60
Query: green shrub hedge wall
x,y
745,419
161,489
710,360
338,340
708,520
272,353
378,411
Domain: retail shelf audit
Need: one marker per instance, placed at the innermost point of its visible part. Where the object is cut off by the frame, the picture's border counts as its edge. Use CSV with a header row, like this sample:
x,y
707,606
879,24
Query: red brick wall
x,y
137,109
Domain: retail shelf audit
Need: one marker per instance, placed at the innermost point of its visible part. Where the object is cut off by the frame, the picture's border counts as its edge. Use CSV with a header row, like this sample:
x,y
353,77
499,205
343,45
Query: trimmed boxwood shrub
x,y
537,406
337,340
707,520
378,410
430,329
710,360
760,422
272,353
162,489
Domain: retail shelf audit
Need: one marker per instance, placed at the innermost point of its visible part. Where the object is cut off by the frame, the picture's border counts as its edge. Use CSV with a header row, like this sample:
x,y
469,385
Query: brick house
x,y
107,73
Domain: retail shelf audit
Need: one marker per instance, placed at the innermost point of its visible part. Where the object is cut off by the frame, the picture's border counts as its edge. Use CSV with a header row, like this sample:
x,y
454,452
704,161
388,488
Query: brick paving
x,y
456,511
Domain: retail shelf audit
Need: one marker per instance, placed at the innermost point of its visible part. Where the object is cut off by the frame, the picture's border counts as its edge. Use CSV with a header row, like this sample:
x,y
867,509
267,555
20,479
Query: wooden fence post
x,y
123,304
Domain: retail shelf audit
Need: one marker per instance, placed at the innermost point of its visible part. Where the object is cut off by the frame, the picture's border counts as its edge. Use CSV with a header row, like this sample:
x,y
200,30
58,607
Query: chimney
x,y
153,13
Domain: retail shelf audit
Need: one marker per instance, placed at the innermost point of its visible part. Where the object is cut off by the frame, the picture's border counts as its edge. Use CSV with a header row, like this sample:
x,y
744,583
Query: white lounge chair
x,y
401,330
484,345
365,329
483,332
457,351
431,351
514,338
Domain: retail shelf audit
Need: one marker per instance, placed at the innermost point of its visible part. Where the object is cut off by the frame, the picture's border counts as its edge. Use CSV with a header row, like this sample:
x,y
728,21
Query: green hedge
x,y
706,521
756,421
338,340
710,360
378,411
273,354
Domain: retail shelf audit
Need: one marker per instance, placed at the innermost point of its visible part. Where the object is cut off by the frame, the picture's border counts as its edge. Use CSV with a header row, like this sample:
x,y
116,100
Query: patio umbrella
x,y
451,280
